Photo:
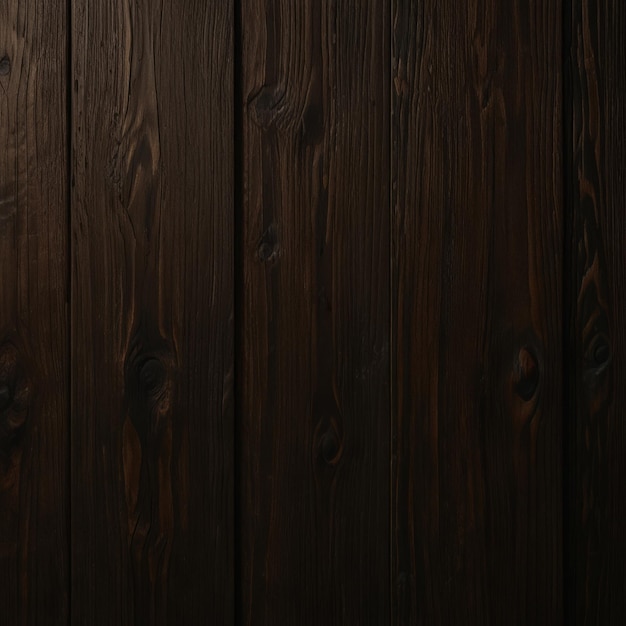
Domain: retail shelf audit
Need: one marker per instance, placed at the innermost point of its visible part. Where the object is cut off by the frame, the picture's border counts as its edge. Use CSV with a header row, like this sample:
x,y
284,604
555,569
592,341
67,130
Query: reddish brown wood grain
x,y
596,308
152,309
314,354
34,490
477,272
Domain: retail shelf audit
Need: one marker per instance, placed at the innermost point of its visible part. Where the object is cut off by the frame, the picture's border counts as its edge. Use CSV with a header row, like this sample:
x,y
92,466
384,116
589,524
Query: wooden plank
x,y
595,131
34,494
477,264
152,306
314,353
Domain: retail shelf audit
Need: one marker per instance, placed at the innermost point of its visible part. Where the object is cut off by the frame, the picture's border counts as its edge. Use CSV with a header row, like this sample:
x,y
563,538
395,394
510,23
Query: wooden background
x,y
312,312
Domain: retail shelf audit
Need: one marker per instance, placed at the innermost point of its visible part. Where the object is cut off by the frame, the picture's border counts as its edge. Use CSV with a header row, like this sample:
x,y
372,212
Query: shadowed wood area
x,y
314,389
595,134
152,312
477,267
34,479
312,312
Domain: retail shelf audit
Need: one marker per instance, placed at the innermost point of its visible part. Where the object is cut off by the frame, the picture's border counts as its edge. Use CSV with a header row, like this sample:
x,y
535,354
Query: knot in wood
x,y
268,245
6,397
15,394
5,66
329,447
526,374
265,251
152,377
601,352
329,442
266,106
149,383
15,385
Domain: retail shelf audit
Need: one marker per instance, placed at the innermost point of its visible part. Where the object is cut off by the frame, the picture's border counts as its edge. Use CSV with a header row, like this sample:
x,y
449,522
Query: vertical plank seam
x,y
392,312
238,285
69,66
568,430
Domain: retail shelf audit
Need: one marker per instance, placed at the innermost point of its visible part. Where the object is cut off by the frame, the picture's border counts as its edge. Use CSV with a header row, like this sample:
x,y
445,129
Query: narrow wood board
x,y
152,312
595,159
477,300
34,461
314,354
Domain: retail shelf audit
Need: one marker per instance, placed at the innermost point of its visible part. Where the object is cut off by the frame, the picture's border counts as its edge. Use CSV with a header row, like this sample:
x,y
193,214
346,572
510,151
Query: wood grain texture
x,y
596,233
477,298
34,494
314,432
152,306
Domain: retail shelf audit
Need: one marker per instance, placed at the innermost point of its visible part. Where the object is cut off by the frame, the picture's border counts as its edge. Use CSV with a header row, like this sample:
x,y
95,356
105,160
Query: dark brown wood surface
x,y
152,312
477,266
34,487
314,354
311,312
595,133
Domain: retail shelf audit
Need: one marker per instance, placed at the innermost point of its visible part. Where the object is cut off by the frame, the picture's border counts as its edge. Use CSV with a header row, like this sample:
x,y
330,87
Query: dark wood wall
x,y
477,292
312,312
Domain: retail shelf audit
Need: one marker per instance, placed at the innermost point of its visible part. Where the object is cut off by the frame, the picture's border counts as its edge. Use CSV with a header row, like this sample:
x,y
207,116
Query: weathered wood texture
x,y
595,134
314,354
152,307
430,312
477,271
34,489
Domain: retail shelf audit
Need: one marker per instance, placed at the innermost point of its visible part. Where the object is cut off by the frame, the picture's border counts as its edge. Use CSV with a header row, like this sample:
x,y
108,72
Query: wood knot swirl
x,y
266,106
6,397
149,385
599,352
526,374
152,378
597,358
329,447
328,442
267,249
5,66
15,395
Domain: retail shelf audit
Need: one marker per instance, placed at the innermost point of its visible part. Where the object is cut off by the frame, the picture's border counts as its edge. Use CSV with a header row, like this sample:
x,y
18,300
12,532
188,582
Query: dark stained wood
x,y
477,271
152,307
34,494
595,134
408,215
314,354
